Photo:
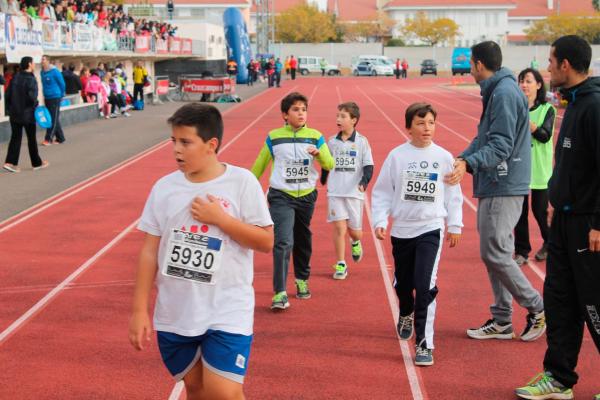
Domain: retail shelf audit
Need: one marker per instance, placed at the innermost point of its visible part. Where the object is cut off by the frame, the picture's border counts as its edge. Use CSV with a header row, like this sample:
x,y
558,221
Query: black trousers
x,y
278,78
416,263
293,71
138,88
55,131
291,217
571,294
14,146
539,206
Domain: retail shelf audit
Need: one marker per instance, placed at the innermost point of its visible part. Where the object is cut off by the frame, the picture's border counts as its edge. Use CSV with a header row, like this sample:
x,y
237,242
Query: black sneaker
x,y
491,330
405,326
536,326
423,356
520,259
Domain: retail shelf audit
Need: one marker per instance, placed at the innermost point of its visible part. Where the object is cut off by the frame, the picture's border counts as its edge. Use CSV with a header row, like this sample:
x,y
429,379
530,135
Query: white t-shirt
x,y
410,188
350,157
204,277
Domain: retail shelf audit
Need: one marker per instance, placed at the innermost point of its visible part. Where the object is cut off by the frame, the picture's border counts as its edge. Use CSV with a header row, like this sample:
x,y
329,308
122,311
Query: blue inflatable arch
x,y
238,42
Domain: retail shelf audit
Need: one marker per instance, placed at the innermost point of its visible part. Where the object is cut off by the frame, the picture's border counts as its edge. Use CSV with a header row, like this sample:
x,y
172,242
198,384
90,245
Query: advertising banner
x,y
66,35
23,38
162,46
51,35
2,35
199,85
83,37
186,46
162,86
174,45
142,43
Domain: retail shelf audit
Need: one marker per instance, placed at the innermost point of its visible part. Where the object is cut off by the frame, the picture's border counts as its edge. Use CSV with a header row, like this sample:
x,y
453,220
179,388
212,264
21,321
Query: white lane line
x,y
65,194
416,385
41,303
177,391
54,292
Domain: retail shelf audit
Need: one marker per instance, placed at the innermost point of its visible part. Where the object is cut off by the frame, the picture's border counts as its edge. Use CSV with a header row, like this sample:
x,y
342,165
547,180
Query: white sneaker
x,y
491,330
126,114
536,326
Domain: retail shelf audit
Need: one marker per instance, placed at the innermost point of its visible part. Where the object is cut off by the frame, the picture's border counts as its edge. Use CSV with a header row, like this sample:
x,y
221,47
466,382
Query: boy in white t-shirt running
x,y
346,184
410,189
202,224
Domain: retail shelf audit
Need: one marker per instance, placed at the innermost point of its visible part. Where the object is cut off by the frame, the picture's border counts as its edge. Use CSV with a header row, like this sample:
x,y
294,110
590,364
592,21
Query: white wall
x,y
213,36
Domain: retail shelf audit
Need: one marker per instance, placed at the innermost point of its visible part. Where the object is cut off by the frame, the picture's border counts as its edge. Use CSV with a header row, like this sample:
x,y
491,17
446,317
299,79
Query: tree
x,y
555,26
431,32
596,5
304,24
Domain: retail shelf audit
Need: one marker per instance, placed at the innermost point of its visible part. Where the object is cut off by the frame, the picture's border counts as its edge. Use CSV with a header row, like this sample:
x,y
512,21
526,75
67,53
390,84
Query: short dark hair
x,y
489,54
25,61
71,67
420,110
205,118
351,108
576,50
540,96
288,101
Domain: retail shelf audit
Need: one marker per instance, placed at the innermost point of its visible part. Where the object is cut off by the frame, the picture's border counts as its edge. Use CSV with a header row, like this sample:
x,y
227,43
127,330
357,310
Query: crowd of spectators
x,y
93,12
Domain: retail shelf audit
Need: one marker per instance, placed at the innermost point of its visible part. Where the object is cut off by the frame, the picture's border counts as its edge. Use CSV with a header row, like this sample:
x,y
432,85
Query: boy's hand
x,y
380,233
208,211
361,188
313,151
453,238
139,329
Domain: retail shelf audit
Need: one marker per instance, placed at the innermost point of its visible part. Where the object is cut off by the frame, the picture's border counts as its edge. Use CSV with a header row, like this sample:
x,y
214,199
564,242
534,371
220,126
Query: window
x,y
197,12
212,38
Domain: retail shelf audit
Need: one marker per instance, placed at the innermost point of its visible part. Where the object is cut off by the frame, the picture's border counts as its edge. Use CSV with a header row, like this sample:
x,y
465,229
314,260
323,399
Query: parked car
x,y
461,60
372,68
428,67
308,64
372,58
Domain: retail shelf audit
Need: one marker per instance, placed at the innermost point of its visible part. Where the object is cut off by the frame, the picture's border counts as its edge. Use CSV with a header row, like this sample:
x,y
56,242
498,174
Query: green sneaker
x,y
280,301
357,252
544,386
302,291
597,397
341,271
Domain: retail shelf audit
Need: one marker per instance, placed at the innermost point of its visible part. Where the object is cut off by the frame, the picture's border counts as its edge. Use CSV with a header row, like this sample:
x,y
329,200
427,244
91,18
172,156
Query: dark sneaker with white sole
x,y
405,326
542,253
423,356
492,330
536,326
520,260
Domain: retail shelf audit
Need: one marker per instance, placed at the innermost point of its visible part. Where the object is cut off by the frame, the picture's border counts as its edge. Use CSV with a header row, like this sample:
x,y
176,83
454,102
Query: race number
x,y
420,186
296,171
192,257
345,161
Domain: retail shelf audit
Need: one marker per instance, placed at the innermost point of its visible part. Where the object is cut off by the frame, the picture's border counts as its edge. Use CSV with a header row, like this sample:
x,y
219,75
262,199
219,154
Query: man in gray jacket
x,y
500,160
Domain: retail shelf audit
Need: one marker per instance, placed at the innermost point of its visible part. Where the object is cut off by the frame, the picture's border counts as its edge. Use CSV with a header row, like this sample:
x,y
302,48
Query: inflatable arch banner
x,y
238,42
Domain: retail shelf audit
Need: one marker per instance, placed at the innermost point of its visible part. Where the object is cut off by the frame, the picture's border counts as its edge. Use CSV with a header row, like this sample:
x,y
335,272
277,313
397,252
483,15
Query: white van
x,y
382,65
308,64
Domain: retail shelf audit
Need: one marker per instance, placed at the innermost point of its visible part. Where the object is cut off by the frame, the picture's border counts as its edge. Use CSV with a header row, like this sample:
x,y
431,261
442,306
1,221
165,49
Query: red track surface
x,y
341,344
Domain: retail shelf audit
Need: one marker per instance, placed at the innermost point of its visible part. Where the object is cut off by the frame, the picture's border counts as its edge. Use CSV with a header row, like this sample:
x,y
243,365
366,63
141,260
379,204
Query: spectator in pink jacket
x,y
92,88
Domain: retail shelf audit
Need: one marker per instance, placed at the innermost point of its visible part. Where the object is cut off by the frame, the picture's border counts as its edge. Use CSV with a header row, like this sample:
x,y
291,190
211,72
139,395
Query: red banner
x,y
162,86
186,46
193,85
162,46
142,44
174,45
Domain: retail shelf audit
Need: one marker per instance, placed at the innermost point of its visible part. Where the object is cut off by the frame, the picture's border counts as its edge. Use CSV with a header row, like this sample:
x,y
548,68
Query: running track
x,y
67,268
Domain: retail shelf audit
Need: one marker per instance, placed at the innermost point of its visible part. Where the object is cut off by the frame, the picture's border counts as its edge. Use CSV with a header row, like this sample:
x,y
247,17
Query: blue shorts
x,y
225,354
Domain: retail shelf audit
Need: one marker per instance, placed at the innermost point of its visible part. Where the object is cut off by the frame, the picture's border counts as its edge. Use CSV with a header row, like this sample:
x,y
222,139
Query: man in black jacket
x,y
572,285
21,101
72,81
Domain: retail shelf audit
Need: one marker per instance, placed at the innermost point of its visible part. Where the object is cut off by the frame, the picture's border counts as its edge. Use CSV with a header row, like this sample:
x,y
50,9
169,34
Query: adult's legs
x,y
14,146
138,89
32,145
496,220
522,244
55,131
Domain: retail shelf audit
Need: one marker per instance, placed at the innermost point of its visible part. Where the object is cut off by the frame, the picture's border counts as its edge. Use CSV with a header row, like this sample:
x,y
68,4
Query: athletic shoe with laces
x,y
280,301
491,330
11,167
423,355
542,253
597,397
341,271
357,251
302,291
544,386
405,326
536,326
